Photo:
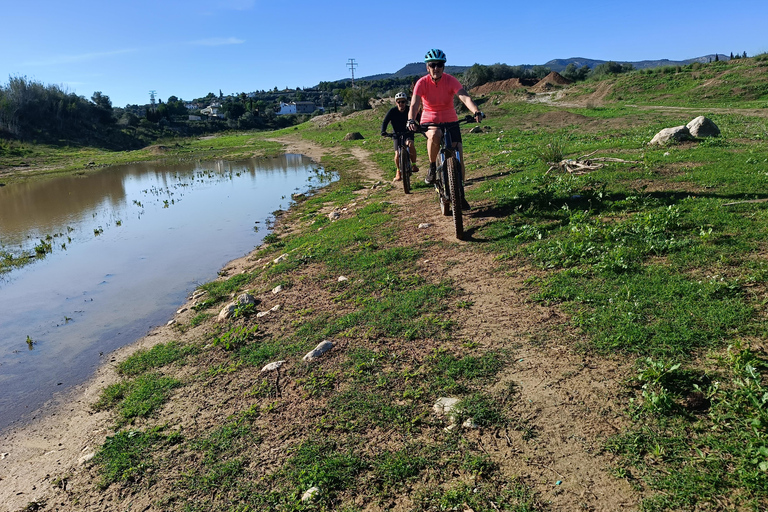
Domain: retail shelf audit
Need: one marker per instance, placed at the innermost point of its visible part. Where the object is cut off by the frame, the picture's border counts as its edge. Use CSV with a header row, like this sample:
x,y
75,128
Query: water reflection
x,y
128,243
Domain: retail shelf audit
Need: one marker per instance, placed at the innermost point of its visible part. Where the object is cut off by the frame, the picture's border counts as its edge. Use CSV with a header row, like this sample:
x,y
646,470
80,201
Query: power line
x,y
351,64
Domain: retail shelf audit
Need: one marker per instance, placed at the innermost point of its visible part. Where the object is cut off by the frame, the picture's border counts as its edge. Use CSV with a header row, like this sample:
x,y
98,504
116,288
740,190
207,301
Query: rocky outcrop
x,y
703,127
698,128
671,135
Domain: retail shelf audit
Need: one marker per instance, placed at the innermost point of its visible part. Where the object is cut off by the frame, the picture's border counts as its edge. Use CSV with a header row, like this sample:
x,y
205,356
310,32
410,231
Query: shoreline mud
x,y
65,432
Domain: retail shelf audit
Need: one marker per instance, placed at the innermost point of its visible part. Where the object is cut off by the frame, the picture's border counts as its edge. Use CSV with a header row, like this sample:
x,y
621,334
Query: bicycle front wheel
x,y
405,168
454,187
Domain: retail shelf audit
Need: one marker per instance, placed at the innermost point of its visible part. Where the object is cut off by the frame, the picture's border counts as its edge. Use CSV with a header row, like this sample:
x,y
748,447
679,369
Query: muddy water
x,y
127,244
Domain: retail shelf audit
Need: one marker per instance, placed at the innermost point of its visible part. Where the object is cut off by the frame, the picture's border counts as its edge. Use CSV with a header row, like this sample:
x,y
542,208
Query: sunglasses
x,y
400,101
435,65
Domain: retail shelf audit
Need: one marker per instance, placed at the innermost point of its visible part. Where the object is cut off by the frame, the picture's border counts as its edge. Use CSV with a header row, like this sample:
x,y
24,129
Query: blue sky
x,y
190,48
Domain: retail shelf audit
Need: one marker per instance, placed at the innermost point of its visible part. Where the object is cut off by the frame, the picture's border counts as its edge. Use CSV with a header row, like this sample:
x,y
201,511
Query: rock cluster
x,y
697,128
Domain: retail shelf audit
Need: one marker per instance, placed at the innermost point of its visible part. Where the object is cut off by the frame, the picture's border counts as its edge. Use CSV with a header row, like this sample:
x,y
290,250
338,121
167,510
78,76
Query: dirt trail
x,y
563,405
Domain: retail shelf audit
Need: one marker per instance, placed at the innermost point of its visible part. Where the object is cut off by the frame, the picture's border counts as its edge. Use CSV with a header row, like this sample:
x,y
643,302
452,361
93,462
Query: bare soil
x,y
565,403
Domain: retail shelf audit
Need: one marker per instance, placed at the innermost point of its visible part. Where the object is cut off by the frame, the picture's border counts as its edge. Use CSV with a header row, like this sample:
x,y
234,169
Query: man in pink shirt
x,y
434,94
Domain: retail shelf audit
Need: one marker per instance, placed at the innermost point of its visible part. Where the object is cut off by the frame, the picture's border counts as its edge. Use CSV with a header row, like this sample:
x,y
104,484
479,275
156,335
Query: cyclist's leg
x,y
434,135
412,152
460,152
398,177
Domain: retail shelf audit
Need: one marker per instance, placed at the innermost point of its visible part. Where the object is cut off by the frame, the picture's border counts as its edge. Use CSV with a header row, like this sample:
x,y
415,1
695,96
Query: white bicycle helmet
x,y
401,96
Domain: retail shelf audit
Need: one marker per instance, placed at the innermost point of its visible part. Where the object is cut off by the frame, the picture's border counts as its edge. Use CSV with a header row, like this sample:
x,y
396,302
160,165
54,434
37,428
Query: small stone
x,y
180,311
262,314
470,423
311,494
446,406
226,312
318,351
4,455
274,308
272,366
334,215
342,279
277,289
246,299
171,322
86,458
280,258
425,225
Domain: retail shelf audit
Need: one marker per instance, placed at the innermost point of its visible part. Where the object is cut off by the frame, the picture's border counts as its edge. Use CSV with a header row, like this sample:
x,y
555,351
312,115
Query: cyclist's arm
x,y
467,101
415,107
385,122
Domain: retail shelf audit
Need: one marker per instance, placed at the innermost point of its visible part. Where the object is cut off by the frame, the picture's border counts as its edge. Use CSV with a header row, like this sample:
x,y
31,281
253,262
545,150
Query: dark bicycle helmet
x,y
435,55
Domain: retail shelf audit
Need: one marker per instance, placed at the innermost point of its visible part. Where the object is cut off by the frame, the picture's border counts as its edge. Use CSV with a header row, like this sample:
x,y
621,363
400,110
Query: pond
x,y
118,252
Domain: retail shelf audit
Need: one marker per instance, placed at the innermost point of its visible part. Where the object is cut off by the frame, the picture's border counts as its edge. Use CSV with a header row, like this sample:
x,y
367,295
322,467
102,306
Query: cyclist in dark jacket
x,y
398,115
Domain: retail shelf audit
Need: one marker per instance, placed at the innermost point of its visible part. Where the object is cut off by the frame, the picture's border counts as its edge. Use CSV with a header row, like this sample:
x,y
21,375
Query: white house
x,y
297,107
212,110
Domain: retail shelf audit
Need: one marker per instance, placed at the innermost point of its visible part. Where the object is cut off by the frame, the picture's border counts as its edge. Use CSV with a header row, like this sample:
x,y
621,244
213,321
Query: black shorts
x,y
455,132
397,141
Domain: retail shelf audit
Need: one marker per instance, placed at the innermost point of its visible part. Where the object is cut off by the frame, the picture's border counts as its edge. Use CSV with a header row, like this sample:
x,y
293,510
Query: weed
x,y
236,337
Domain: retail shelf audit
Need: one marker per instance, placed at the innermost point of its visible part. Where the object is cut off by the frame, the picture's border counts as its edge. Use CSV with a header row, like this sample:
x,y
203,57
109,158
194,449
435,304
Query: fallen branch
x,y
745,202
584,164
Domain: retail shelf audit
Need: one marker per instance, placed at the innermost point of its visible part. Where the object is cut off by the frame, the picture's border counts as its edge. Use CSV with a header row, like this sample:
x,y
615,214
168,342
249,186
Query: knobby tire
x,y
454,187
405,168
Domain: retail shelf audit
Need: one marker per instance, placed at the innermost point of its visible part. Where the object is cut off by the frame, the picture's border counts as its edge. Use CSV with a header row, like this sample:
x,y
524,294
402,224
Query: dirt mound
x,y
502,85
552,80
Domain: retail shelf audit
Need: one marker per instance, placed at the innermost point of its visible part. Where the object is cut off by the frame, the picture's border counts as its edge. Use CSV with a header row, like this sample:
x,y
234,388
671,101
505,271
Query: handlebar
x,y
466,119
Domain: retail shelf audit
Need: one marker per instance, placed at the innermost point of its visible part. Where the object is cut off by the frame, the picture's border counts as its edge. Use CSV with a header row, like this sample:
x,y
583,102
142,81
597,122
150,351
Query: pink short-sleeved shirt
x,y
437,98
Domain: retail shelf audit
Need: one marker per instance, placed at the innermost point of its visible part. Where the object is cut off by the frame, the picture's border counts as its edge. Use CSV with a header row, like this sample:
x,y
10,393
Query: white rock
x,y
180,311
274,308
280,258
703,127
319,350
676,134
470,423
86,458
342,279
425,225
445,405
226,312
277,289
246,299
262,314
272,366
334,215
171,322
4,455
311,494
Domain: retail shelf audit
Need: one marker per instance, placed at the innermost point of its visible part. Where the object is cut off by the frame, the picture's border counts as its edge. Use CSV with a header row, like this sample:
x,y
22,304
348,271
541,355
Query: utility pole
x,y
351,64
152,99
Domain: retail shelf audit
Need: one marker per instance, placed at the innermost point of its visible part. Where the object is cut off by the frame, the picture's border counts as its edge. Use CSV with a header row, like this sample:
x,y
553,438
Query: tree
x,y
102,100
233,110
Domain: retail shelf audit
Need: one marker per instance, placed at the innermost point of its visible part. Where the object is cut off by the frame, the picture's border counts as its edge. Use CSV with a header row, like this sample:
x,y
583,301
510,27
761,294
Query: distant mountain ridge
x,y
417,68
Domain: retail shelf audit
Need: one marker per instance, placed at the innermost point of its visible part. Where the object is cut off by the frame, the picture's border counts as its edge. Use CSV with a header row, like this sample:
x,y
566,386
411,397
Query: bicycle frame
x,y
449,177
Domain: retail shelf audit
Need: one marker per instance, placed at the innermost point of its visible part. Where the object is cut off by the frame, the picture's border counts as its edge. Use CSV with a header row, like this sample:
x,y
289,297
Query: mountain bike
x,y
448,182
403,159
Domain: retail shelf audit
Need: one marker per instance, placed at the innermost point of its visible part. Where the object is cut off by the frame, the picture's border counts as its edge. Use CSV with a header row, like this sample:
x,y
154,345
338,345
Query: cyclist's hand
x,y
479,116
413,125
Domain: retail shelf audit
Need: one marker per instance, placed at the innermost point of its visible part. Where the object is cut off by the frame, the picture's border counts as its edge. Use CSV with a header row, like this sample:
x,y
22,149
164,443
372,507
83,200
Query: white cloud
x,y
217,41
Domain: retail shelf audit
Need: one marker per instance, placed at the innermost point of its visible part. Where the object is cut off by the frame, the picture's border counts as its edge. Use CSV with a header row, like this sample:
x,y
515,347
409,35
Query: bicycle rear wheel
x,y
454,187
405,169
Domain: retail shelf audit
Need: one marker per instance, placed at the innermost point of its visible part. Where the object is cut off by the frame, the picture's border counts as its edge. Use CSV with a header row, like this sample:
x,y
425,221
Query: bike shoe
x,y
414,169
430,179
